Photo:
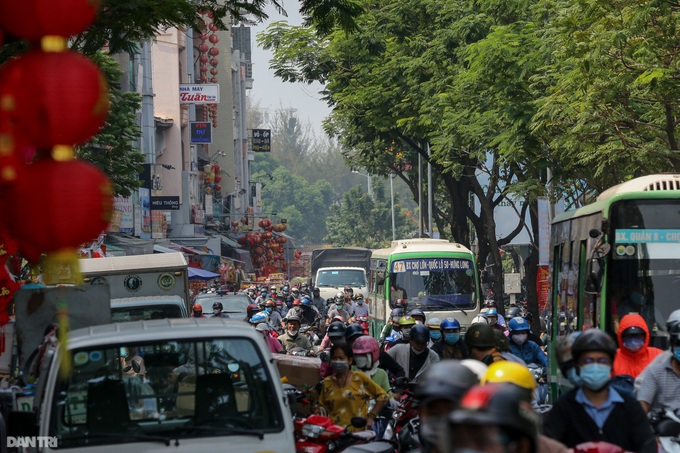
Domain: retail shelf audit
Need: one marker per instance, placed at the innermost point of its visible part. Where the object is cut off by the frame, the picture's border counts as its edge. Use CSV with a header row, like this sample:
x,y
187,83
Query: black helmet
x,y
353,331
446,380
397,313
500,405
336,329
218,305
481,336
339,297
420,333
417,312
593,340
674,334
513,312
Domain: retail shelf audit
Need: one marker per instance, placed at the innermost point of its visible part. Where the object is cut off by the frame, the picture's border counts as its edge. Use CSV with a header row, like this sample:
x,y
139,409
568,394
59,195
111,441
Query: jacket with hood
x,y
628,362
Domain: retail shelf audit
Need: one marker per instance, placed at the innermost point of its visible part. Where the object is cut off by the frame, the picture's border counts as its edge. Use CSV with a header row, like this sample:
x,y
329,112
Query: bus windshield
x,y
434,283
644,276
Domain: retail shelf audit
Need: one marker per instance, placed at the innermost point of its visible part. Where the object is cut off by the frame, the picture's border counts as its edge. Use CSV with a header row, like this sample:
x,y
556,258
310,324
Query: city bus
x,y
618,255
436,275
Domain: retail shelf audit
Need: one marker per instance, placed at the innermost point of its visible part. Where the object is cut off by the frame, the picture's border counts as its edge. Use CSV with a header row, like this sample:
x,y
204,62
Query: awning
x,y
229,242
161,249
200,274
196,250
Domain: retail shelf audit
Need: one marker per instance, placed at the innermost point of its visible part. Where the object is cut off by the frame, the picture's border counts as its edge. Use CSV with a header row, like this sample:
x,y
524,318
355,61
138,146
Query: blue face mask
x,y
435,335
451,338
574,378
268,309
595,375
633,344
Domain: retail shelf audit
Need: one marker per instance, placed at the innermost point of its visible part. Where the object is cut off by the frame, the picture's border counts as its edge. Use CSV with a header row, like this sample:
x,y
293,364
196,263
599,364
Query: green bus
x,y
436,275
618,255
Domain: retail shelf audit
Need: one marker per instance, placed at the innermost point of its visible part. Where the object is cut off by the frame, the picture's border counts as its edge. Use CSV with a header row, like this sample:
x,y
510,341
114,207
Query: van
x,y
198,385
145,308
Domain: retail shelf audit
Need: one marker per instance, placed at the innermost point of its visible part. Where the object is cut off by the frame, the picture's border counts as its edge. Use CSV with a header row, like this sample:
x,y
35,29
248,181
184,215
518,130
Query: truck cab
x,y
196,384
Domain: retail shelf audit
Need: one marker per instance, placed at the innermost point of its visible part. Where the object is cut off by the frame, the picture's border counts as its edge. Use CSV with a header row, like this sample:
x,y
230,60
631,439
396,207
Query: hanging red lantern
x,y
234,223
74,195
218,188
203,47
204,68
56,98
281,240
214,51
275,246
218,179
213,80
33,19
268,235
298,254
212,27
214,39
242,240
214,62
259,251
203,59
244,220
266,223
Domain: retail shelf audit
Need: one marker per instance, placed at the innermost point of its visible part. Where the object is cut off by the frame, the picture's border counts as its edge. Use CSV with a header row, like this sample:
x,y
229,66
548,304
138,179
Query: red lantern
x,y
281,240
214,62
33,19
204,68
243,240
54,98
275,246
213,80
203,59
214,51
214,71
266,223
244,220
234,223
203,47
74,195
218,188
214,39
218,179
268,235
298,254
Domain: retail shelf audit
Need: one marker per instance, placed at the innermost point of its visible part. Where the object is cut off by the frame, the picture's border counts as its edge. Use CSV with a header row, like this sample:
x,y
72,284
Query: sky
x,y
273,94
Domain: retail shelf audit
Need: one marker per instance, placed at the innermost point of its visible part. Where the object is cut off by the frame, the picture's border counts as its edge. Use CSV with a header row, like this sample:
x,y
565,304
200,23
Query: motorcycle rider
x,y
197,311
339,308
490,419
217,311
491,316
435,333
292,338
275,319
387,363
406,324
480,340
415,358
309,313
393,325
274,345
596,411
526,350
359,308
418,315
438,392
452,345
660,387
318,301
565,358
634,352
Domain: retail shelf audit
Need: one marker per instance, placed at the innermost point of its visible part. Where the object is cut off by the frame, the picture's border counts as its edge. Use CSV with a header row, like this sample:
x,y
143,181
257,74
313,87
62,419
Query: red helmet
x,y
252,309
296,302
197,308
366,345
270,303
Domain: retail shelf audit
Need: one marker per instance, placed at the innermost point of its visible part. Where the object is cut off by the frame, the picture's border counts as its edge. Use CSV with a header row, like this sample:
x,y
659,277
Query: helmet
x,y
336,330
673,318
339,297
295,291
358,296
528,316
406,321
293,318
252,309
477,367
296,302
366,345
481,336
420,333
305,301
509,371
434,323
400,303
633,330
279,302
197,308
353,331
593,340
446,380
218,305
563,352
674,334
491,312
479,319
397,313
518,325
316,289
513,312
262,327
290,299
348,289
305,285
450,324
501,405
417,312
258,318
269,303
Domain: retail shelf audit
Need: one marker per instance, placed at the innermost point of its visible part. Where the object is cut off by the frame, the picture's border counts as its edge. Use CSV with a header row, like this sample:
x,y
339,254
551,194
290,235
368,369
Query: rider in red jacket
x,y
634,352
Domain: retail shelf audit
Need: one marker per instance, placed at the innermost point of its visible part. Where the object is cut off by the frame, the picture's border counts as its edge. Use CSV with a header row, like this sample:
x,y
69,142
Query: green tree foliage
x,y
364,221
113,150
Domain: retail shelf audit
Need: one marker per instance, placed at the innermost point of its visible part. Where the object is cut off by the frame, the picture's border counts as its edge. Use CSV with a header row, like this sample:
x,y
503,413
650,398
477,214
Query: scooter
x,y
541,385
363,322
318,434
666,426
404,426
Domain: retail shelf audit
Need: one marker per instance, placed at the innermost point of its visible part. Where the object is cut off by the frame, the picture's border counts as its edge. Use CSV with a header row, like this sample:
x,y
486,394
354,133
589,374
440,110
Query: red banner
x,y
543,286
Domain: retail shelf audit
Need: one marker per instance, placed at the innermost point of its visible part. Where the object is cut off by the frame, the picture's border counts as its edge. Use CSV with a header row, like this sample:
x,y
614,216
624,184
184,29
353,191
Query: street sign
x,y
165,203
201,132
262,140
199,93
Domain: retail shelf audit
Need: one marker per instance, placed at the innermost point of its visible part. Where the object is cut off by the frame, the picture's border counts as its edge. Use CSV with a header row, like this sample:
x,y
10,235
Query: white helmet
x,y
673,319
480,319
475,366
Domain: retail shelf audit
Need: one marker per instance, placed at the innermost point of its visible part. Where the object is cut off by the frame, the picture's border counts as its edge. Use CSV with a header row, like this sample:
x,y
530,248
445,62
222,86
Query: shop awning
x,y
200,274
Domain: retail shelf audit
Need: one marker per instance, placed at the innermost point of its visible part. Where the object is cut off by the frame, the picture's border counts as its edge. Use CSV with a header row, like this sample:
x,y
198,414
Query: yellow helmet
x,y
406,321
512,372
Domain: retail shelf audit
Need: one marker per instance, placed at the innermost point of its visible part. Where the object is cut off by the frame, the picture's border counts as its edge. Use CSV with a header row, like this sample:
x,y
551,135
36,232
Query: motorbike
x,y
318,434
363,322
666,426
403,426
541,395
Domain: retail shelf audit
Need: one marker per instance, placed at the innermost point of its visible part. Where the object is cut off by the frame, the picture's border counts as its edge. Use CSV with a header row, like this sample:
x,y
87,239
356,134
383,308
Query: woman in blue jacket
x,y
526,350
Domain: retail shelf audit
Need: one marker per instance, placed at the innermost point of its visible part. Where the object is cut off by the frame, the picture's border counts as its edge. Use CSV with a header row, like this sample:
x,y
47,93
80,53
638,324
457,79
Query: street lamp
x,y
368,178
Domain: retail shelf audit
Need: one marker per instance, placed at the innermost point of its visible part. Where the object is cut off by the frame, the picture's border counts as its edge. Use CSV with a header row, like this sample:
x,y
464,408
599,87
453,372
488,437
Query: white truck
x,y
142,287
198,385
334,268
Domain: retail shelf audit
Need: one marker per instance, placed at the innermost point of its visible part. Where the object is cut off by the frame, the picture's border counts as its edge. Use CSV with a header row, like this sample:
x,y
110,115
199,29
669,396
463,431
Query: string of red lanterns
x,y
266,247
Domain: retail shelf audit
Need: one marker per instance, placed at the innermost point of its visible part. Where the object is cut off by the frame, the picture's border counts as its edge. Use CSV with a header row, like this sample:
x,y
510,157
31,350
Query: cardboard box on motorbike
x,y
299,371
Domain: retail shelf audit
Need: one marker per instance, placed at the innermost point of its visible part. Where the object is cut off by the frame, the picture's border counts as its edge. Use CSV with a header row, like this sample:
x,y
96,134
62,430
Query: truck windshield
x,y
434,283
644,275
124,314
169,389
341,277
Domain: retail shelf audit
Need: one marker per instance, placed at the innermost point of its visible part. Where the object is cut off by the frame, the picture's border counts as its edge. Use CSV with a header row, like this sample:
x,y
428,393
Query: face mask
x,y
574,378
595,375
431,428
268,310
339,306
520,338
435,335
451,338
292,332
339,365
123,352
360,302
363,362
492,321
633,344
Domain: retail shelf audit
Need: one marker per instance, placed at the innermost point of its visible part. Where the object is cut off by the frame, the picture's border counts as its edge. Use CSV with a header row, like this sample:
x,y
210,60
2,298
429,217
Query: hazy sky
x,y
273,94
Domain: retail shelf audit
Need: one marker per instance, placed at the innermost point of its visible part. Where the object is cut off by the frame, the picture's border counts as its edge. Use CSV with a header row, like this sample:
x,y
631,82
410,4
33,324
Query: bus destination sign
x,y
431,264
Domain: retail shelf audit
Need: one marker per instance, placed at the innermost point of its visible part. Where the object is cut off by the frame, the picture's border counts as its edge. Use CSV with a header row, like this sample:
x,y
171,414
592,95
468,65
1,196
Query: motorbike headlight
x,y
312,431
